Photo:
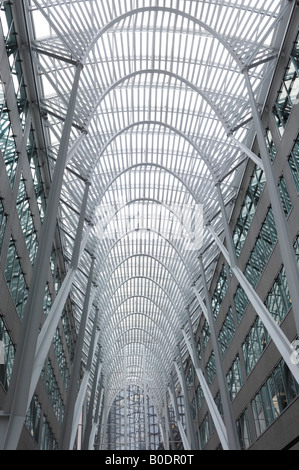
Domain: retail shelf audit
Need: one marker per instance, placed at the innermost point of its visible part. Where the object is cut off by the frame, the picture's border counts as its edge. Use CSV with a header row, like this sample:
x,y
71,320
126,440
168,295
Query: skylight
x,y
159,92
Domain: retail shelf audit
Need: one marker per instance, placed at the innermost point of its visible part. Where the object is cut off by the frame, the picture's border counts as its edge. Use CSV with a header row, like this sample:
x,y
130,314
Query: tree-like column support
x,y
84,383
189,421
280,340
146,424
174,403
216,417
285,242
66,431
89,418
18,392
46,335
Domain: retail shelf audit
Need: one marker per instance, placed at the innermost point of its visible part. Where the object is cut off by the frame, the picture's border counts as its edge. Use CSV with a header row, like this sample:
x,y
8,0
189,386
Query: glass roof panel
x,y
160,91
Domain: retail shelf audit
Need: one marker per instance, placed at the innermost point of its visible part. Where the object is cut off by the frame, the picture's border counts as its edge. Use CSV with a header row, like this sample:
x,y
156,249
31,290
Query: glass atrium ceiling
x,y
160,94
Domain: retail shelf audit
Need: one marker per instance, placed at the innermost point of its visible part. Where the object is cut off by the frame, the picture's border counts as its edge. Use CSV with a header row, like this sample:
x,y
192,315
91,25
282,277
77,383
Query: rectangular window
x,y
273,397
54,393
211,369
33,418
294,163
296,249
262,250
278,300
15,279
204,432
241,301
2,224
199,397
252,196
8,147
198,348
288,92
47,300
205,334
68,333
27,221
254,345
227,332
219,292
9,355
193,408
243,430
36,174
48,441
234,378
284,196
190,376
270,145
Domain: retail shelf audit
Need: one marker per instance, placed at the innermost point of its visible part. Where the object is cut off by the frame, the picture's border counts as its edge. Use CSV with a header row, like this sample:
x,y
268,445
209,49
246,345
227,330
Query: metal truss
x,y
163,112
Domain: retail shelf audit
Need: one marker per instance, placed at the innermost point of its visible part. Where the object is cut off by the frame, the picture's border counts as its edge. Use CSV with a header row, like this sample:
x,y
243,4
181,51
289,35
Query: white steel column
x,y
178,418
98,367
189,422
145,401
104,418
276,333
84,383
125,400
17,397
66,430
166,421
285,242
49,327
219,425
230,424
96,420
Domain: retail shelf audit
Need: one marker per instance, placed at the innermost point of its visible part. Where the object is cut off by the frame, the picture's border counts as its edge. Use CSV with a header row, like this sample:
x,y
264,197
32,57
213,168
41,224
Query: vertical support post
x,y
285,243
145,402
227,231
49,327
88,427
104,419
189,421
77,244
95,424
277,335
178,418
75,375
232,435
219,425
17,397
163,431
166,420
84,383
126,400
282,343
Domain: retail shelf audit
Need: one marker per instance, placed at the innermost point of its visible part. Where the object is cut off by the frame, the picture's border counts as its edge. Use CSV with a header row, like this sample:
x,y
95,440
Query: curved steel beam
x,y
175,11
146,230
136,255
161,331
128,340
155,165
189,84
160,124
116,383
170,300
159,361
148,313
